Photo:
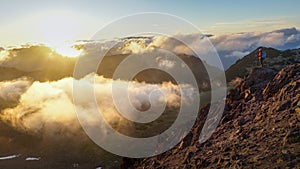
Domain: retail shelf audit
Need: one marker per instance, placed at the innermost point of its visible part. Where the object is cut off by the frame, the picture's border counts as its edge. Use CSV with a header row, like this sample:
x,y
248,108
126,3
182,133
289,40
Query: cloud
x,y
273,39
140,45
32,57
263,24
293,38
3,54
241,42
165,63
233,46
237,54
46,108
279,39
116,46
26,58
230,47
12,90
232,42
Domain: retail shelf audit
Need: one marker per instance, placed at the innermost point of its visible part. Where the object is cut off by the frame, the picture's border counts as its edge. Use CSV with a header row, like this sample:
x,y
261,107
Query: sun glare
x,y
66,49
3,54
58,26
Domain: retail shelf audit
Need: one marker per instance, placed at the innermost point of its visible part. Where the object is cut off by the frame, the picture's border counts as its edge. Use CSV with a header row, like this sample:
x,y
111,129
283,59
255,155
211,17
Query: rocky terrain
x,y
259,129
275,59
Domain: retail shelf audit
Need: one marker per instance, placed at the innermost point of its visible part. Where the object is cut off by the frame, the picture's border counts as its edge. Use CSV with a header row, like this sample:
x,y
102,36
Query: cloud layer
x,y
47,107
230,47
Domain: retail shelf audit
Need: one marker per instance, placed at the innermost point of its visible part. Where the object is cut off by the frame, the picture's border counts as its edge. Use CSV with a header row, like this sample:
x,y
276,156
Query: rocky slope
x,y
276,60
260,128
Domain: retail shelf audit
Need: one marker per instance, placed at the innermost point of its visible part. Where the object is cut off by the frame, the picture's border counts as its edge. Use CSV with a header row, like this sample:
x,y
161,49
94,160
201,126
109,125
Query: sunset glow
x,y
149,84
57,27
65,49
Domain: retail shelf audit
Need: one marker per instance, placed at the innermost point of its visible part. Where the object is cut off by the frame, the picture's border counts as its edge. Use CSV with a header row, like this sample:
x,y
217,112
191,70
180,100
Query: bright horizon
x,y
51,22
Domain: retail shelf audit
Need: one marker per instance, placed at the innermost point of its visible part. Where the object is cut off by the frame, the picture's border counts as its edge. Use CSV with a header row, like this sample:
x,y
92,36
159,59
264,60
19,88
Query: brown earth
x,y
259,129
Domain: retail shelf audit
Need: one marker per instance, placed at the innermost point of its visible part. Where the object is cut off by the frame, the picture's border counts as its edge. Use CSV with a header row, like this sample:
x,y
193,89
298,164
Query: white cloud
x,y
237,54
228,45
273,39
165,63
33,57
47,107
293,38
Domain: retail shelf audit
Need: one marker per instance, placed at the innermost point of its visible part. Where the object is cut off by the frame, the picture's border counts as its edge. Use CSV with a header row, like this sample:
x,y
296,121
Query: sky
x,y
52,21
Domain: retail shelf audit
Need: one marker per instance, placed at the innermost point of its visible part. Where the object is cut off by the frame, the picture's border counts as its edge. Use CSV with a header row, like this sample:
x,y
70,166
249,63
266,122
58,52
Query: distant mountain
x,y
198,68
276,60
43,64
39,75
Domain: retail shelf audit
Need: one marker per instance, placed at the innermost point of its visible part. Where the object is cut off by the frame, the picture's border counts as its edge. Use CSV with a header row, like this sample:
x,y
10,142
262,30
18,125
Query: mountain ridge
x,y
276,59
259,128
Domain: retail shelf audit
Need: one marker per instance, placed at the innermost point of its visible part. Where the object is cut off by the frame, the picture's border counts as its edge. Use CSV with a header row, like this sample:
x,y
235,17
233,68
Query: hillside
x,y
275,60
197,66
259,129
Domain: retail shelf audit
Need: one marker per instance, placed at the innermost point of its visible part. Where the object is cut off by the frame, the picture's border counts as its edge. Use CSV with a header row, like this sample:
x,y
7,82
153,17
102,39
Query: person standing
x,y
260,56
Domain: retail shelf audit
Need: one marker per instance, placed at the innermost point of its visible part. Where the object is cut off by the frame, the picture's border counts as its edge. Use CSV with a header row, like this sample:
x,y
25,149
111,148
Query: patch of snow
x,y
10,157
99,168
33,158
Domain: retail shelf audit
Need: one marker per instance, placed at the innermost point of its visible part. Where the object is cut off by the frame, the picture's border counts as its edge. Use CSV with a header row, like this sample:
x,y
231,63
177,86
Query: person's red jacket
x,y
259,53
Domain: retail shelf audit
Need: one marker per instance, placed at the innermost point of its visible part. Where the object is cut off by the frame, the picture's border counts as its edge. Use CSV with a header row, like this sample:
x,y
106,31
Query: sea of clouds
x,y
46,106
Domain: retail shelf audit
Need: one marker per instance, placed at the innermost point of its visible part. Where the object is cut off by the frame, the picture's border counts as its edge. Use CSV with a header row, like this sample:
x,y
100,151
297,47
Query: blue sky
x,y
23,21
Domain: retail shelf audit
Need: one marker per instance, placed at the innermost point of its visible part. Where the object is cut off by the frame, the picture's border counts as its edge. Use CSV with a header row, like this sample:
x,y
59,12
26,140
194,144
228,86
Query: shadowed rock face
x,y
259,128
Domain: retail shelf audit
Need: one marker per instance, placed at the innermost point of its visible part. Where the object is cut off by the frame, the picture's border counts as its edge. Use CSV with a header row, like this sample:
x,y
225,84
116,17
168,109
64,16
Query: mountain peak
x,y
275,60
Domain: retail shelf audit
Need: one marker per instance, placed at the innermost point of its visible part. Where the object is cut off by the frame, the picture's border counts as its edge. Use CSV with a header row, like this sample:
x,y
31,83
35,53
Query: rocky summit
x,y
259,129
